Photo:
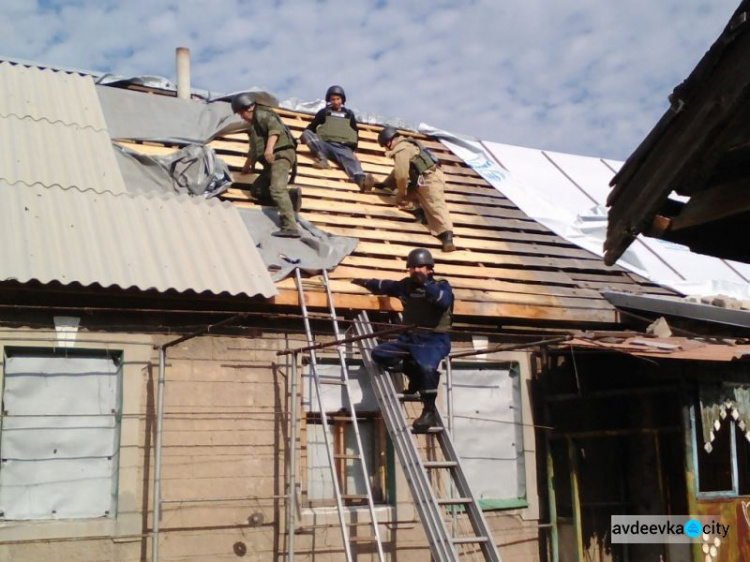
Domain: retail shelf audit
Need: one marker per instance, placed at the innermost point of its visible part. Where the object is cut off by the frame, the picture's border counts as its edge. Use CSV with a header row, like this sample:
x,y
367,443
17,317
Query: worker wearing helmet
x,y
428,305
334,134
273,146
417,176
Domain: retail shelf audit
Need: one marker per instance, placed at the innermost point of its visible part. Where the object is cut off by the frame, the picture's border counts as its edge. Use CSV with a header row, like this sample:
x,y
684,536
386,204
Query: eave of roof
x,y
163,242
680,152
681,308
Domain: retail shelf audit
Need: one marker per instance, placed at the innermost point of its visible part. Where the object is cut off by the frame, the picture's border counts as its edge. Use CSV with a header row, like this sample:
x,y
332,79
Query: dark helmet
x,y
418,257
335,91
242,101
385,136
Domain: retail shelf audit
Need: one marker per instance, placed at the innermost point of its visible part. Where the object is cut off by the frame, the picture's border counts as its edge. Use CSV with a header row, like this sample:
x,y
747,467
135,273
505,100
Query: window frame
x,y
380,472
697,444
137,370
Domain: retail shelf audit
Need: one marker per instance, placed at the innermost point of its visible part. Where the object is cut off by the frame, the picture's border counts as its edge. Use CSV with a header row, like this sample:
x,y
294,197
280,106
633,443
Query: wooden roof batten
x,y
507,267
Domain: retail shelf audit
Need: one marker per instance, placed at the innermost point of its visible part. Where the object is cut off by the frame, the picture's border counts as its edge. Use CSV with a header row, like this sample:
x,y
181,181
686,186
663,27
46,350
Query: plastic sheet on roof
x,y
135,116
315,251
567,194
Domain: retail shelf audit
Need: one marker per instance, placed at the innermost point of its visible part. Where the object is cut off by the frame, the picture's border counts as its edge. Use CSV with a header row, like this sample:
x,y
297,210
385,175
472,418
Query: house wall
x,y
225,435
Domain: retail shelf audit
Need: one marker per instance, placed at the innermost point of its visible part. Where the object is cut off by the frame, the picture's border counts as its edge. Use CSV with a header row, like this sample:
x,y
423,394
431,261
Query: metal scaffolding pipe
x,y
159,423
157,456
291,504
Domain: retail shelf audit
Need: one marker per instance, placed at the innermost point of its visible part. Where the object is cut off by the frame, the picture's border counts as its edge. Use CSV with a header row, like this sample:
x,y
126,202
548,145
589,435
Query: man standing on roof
x,y
333,134
417,175
273,146
428,305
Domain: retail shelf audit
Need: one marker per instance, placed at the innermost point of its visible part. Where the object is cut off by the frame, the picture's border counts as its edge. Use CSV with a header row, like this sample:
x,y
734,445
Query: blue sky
x,y
587,77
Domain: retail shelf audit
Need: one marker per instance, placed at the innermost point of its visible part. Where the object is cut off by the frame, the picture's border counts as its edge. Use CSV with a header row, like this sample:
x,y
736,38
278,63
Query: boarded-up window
x,y
59,438
488,431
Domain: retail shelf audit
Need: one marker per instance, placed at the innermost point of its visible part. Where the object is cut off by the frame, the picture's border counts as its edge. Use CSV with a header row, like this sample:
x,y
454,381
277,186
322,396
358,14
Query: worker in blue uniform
x,y
428,306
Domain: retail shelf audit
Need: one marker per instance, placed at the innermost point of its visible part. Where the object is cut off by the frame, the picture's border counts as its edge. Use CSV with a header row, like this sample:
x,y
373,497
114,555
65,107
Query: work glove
x,y
359,281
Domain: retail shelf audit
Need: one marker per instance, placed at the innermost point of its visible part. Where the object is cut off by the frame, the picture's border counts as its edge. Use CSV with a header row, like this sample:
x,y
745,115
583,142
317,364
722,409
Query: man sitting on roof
x,y
272,145
333,133
428,305
417,176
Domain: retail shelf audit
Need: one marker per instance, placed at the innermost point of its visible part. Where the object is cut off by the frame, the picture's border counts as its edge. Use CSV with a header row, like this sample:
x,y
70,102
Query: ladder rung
x,y
440,464
338,382
454,501
361,539
468,540
347,457
409,398
431,430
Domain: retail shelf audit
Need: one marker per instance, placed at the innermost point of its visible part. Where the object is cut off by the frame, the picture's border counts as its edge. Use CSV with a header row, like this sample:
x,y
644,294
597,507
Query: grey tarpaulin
x,y
193,170
133,115
316,250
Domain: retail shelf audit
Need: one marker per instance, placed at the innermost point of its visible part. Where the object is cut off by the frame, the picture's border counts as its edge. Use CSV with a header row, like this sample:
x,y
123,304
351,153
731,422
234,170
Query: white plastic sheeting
x,y
59,438
567,194
488,434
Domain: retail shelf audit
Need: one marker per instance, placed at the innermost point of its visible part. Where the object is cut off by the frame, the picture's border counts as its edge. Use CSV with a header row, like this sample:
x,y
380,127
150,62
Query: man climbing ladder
x,y
428,305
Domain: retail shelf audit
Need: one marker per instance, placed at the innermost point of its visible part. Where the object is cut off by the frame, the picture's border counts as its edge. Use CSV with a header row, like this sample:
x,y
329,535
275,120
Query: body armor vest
x,y
419,163
423,313
337,128
258,135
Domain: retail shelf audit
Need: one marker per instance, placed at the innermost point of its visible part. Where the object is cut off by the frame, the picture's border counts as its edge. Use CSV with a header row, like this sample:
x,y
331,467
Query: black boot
x,y
447,239
428,418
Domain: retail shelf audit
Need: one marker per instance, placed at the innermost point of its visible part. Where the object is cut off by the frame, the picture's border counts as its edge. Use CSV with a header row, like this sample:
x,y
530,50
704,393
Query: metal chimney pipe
x,y
183,73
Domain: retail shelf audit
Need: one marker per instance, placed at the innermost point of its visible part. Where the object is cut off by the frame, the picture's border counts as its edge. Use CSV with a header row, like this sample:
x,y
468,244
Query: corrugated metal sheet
x,y
148,241
666,348
53,132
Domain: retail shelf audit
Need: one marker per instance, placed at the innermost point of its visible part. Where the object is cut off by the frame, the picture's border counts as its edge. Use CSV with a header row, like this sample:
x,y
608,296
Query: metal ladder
x,y
432,509
358,457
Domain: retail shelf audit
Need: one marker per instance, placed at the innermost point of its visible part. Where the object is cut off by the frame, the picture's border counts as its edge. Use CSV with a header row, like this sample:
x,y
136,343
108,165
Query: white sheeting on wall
x,y
59,437
487,432
360,389
567,194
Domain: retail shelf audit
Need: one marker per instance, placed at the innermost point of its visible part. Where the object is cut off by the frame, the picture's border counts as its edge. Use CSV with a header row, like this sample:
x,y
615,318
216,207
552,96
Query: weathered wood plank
x,y
499,311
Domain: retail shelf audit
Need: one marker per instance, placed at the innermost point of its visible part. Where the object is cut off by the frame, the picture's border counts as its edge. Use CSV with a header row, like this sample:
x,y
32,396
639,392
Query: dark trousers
x,y
421,353
339,153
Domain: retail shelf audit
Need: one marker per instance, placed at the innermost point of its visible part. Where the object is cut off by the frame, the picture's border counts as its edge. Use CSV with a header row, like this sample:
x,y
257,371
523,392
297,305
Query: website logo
x,y
666,529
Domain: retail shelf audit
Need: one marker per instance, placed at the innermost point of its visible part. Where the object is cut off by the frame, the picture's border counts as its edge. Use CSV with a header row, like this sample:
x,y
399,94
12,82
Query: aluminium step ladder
x,y
358,457
431,508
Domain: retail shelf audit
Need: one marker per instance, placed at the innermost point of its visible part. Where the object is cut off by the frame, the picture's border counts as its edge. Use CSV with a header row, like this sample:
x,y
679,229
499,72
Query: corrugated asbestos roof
x,y
65,214
52,131
163,242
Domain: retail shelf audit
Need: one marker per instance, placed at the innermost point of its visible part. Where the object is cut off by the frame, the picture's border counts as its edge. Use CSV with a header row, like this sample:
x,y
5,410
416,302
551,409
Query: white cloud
x,y
581,77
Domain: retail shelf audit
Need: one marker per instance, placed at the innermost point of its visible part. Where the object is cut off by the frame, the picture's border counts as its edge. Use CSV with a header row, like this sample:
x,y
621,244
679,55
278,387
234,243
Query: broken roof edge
x,y
621,236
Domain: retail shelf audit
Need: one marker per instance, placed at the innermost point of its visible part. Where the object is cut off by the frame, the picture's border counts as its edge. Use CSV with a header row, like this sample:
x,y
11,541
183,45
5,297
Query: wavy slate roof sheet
x,y
162,242
52,131
65,215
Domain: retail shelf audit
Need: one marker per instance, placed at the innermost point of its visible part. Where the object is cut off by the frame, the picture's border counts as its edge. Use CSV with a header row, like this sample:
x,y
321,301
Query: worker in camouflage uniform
x,y
417,176
428,305
273,146
333,133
